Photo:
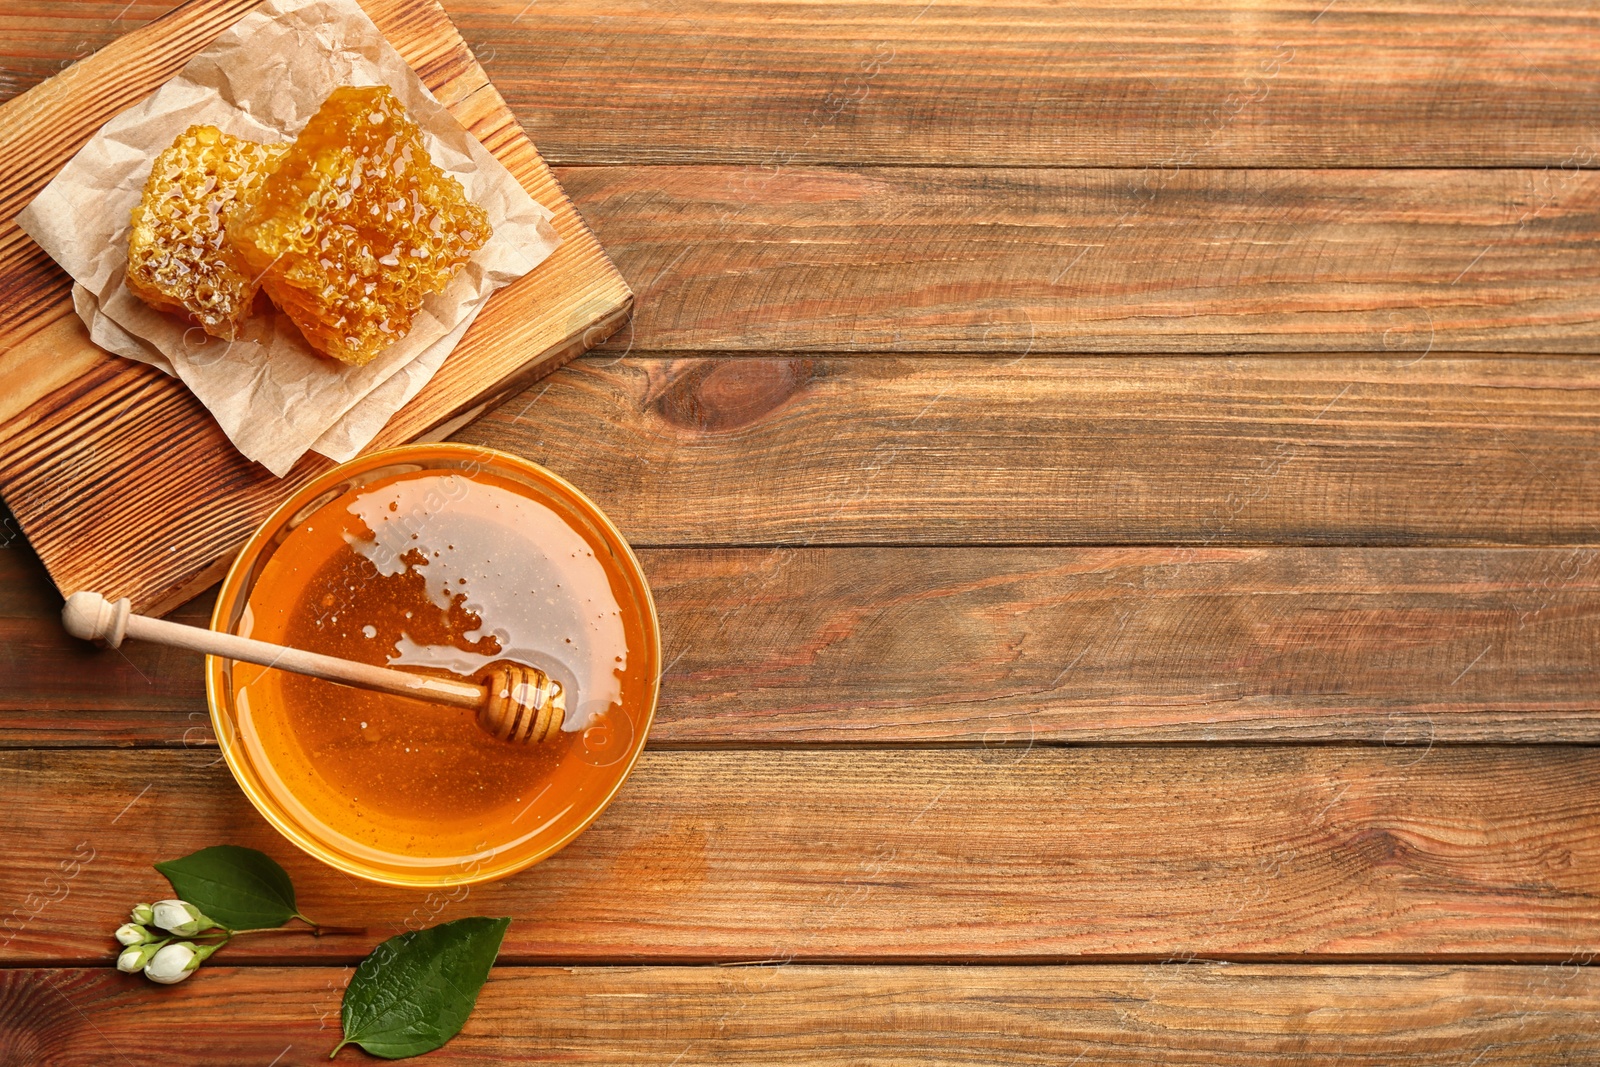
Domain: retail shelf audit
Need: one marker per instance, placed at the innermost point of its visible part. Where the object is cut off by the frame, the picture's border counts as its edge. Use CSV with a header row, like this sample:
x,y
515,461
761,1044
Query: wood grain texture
x,y
851,646
1011,646
1099,84
86,434
1303,542
1167,84
1201,452
57,690
1056,260
1030,854
1225,1015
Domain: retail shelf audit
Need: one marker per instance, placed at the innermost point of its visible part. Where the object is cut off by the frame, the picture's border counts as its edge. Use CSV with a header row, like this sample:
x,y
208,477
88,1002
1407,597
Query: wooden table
x,y
1122,492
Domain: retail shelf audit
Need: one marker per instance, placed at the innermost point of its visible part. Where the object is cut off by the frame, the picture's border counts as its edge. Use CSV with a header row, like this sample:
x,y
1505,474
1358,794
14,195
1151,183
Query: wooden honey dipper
x,y
514,703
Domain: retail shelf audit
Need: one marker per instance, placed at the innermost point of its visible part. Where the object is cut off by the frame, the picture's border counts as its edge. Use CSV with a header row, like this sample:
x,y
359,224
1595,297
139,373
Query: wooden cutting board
x,y
121,481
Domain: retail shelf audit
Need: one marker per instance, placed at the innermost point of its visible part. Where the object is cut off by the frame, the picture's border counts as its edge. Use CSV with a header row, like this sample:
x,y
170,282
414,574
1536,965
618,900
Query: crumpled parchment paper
x,y
263,79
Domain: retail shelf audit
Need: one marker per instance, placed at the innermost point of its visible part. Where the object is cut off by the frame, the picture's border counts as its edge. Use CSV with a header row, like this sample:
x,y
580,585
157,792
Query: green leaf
x,y
415,991
238,887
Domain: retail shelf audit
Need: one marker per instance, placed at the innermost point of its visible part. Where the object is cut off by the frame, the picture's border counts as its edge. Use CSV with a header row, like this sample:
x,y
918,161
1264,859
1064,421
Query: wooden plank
x,y
998,646
1054,260
55,690
85,434
1263,853
1369,1016
1202,452
1165,84
1008,646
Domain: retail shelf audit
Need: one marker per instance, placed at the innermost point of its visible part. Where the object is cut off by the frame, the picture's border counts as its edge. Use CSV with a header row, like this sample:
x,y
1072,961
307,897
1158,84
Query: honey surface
x,y
448,574
357,225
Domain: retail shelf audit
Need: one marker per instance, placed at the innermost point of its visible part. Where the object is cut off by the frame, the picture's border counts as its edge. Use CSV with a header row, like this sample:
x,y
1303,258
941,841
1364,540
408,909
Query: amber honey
x,y
355,225
447,571
178,260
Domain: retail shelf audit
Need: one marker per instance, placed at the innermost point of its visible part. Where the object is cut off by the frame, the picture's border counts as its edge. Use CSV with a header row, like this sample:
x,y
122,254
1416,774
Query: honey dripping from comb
x,y
178,257
356,226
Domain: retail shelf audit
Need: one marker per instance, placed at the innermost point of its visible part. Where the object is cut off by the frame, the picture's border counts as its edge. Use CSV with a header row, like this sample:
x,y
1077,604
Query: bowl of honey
x,y
450,560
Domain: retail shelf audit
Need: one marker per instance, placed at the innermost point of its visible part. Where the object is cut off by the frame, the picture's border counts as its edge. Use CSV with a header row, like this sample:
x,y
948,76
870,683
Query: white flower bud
x,y
172,963
181,917
133,934
142,914
134,957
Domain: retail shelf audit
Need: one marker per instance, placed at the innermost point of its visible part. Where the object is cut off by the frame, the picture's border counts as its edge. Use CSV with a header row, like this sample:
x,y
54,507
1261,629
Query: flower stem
x,y
323,931
315,931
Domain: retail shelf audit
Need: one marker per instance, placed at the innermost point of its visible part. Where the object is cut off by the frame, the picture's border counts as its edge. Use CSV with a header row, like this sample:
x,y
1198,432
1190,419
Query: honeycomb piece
x,y
357,225
178,257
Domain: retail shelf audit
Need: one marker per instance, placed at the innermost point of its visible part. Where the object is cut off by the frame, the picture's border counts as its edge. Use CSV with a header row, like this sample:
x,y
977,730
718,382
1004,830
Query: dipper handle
x,y
521,704
91,617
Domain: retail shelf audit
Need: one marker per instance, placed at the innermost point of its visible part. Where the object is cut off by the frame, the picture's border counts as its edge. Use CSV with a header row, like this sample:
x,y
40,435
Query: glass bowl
x,y
302,753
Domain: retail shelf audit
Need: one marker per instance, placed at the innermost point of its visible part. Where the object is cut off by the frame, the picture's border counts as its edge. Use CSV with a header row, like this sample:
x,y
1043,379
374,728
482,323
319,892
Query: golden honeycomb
x,y
356,226
178,257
